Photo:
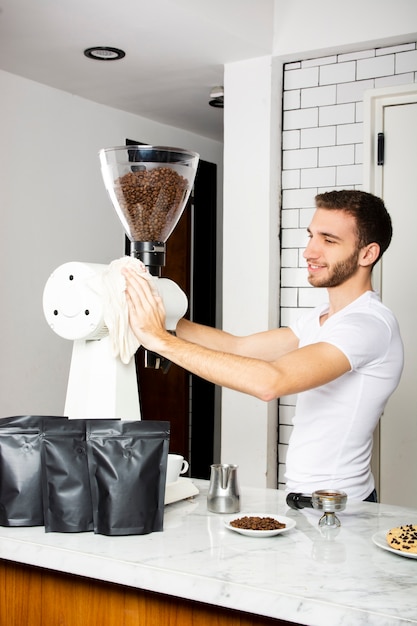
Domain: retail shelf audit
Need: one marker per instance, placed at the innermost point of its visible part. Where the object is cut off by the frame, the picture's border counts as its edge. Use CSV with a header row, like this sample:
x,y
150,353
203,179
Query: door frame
x,y
374,103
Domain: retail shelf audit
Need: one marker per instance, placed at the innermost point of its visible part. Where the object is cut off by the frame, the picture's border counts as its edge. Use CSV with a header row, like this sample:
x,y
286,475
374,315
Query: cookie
x,y
403,538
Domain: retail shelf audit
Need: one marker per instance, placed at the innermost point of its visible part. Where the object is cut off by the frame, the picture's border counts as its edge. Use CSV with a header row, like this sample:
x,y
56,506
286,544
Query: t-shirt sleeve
x,y
363,339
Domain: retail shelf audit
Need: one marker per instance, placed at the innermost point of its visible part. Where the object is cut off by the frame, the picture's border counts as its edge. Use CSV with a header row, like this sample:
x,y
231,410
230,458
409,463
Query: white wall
x,y
250,253
54,209
303,28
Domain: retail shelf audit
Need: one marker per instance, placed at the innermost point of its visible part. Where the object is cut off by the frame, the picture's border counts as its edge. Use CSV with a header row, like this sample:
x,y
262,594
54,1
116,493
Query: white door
x,y
396,182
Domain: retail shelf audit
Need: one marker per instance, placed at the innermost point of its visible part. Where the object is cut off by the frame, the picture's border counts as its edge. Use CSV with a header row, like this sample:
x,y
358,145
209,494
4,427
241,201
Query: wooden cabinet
x,y
31,596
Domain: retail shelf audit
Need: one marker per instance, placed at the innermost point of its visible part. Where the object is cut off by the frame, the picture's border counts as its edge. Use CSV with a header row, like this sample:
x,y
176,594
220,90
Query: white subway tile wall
x,y
322,147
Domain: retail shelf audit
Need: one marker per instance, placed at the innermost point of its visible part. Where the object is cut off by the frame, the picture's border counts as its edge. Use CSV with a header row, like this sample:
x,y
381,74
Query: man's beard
x,y
340,273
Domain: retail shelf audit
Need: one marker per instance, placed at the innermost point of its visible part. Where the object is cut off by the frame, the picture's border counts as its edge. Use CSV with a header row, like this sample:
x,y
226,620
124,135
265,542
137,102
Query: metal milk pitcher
x,y
223,494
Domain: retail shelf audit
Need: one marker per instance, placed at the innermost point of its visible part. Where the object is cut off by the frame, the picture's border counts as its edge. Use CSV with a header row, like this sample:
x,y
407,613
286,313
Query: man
x,y
343,359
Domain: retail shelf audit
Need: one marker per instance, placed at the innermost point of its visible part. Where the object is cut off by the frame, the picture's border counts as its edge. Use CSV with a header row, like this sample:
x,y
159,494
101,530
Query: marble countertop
x,y
301,576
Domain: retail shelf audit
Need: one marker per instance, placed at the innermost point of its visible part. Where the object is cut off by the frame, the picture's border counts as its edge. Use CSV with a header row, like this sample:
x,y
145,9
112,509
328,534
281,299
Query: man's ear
x,y
369,254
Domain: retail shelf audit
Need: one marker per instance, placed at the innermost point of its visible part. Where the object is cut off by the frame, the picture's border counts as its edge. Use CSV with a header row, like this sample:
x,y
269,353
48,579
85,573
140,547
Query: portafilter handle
x,y
298,501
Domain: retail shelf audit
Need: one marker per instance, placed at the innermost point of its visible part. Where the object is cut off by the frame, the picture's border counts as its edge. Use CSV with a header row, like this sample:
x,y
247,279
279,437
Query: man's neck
x,y
343,295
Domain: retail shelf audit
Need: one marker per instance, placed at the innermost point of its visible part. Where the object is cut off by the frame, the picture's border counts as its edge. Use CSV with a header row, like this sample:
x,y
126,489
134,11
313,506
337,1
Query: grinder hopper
x,y
149,187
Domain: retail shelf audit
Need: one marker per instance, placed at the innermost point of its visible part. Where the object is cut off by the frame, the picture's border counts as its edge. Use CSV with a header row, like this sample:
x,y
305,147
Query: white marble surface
x,y
299,576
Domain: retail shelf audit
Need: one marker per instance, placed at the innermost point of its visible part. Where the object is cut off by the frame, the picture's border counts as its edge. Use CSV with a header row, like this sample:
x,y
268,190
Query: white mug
x,y
176,466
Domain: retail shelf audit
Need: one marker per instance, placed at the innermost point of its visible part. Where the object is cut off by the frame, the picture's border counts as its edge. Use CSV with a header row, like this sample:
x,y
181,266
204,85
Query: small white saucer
x,y
289,523
180,490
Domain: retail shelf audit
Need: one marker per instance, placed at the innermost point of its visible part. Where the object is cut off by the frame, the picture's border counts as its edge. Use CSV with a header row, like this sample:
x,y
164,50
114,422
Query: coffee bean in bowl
x,y
151,201
253,525
257,523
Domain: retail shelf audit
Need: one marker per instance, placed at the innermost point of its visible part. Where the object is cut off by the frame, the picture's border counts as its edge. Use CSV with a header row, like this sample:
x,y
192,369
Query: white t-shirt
x,y
331,441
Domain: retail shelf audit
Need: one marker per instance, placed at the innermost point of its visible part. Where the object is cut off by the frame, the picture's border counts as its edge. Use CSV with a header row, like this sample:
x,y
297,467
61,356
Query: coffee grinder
x,y
149,187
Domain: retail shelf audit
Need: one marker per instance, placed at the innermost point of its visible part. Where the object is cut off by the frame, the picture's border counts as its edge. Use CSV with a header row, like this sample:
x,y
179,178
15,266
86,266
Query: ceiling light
x,y
217,97
104,53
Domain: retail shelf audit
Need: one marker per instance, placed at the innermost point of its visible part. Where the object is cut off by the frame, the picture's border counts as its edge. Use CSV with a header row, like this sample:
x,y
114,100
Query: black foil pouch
x,y
65,481
127,464
20,471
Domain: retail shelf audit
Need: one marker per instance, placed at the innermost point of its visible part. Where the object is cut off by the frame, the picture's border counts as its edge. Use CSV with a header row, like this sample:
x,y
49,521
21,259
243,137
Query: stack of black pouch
x,y
81,475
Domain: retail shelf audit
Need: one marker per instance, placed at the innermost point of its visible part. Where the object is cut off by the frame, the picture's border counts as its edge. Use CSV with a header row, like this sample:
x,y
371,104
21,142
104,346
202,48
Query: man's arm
x,y
290,371
299,370
268,345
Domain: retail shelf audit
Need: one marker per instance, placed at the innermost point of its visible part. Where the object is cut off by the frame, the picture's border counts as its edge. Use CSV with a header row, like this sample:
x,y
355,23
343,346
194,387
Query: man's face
x,y
332,253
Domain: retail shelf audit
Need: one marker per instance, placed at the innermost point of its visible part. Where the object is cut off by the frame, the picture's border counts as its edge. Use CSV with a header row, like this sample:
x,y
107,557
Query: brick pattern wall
x,y
322,143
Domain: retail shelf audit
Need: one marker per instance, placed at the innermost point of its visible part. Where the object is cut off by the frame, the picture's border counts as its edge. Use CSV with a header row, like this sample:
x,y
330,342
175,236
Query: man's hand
x,y
146,310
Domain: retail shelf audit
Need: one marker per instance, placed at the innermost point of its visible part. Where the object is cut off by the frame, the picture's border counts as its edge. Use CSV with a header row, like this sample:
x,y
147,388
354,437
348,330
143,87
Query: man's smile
x,y
313,267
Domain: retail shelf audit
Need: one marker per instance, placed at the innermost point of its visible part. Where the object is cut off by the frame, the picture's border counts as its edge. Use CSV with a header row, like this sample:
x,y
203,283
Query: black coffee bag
x,y
20,471
127,464
65,480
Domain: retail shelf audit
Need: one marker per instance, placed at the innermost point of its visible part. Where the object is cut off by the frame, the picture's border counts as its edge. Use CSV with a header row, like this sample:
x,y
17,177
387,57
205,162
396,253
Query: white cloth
x,y
331,441
111,286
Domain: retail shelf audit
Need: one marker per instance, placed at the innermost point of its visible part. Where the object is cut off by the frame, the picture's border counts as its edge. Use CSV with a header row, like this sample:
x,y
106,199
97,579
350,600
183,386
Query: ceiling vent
x,y
104,53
